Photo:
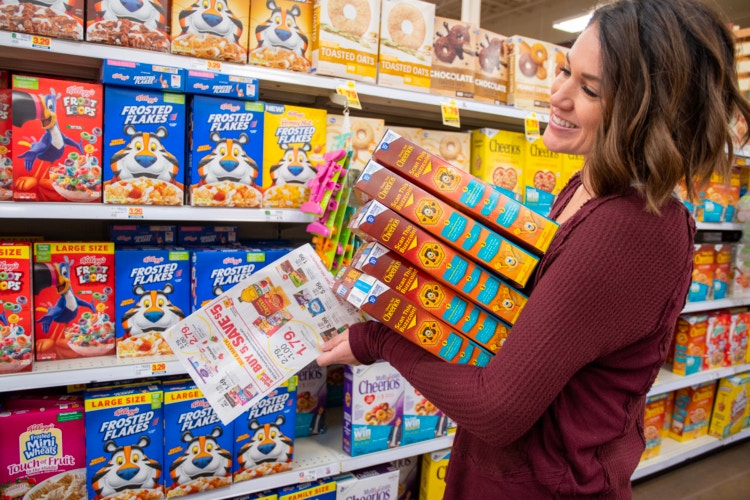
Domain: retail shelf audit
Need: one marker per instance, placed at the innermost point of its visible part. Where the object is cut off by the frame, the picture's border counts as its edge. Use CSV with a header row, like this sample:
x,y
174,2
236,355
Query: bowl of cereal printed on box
x,y
78,179
93,335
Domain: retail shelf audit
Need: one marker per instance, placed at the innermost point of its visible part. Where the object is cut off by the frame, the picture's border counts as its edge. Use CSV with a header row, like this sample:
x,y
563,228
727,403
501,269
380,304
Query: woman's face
x,y
576,103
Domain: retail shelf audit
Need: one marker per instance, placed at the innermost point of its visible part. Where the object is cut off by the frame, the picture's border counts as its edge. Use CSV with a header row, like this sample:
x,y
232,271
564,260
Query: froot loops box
x,y
57,134
16,317
74,301
6,160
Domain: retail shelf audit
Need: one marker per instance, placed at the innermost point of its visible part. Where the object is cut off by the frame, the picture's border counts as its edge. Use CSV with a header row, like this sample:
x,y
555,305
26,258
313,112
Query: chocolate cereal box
x,y
144,147
6,159
212,29
491,67
281,32
140,25
498,157
453,59
311,401
16,316
55,18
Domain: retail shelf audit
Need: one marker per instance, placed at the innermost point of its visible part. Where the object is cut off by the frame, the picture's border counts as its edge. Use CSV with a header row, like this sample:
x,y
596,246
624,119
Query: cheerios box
x,y
452,146
16,316
293,147
692,411
408,477
226,152
704,265
6,159
375,482
221,84
689,344
43,451
530,64
653,424
281,34
432,477
497,157
422,419
74,299
63,19
142,75
211,30
491,67
730,406
143,25
311,401
198,448
152,294
542,174
56,146
264,434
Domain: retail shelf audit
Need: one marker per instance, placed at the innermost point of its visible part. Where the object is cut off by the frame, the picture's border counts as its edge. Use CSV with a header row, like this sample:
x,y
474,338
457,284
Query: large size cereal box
x,y
226,152
730,406
293,147
345,39
491,67
144,147
16,316
453,60
366,133
152,293
280,34
125,442
74,300
43,454
198,448
55,18
542,177
140,25
213,29
311,401
455,147
6,160
57,150
497,157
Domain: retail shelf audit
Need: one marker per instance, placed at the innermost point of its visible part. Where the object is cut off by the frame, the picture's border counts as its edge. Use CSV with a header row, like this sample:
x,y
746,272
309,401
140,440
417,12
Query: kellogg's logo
x,y
146,98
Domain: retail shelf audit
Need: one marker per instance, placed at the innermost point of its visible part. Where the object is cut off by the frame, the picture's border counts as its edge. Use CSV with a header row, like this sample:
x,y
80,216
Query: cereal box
x,y
738,336
692,410
455,147
405,56
740,284
411,134
283,29
690,344
432,482
264,435
311,401
453,61
497,157
730,406
142,75
718,354
542,177
152,294
221,85
198,449
215,29
704,265
491,67
321,489
6,159
733,194
713,201
422,419
293,146
125,442
74,298
653,424
42,453
380,482
59,19
366,133
531,62
16,316
668,409
345,39
143,234
57,151
373,408
408,477
142,25
570,165
226,151
34,401
144,147
722,271
334,386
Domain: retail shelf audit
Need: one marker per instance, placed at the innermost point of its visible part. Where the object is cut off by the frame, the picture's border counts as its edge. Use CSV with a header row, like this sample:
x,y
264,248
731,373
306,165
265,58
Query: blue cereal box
x,y
142,75
221,84
311,401
422,419
226,152
144,147
152,293
264,435
206,235
124,442
143,234
197,447
321,489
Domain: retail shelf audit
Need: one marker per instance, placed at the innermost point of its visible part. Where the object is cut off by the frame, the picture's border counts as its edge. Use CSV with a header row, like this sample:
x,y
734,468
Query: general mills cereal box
x,y
740,285
718,353
311,401
16,316
143,25
143,234
55,18
366,133
542,177
730,406
653,424
722,271
125,442
198,449
152,294
43,454
713,201
283,29
380,482
57,150
690,344
491,67
570,165
531,62
738,336
144,147
226,152
214,29
704,265
692,410
142,75
432,482
453,60
6,159
497,157
455,147
408,477
221,84
422,419
74,299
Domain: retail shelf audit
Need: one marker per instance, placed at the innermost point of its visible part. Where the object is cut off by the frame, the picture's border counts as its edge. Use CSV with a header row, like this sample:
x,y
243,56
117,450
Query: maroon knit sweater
x,y
559,410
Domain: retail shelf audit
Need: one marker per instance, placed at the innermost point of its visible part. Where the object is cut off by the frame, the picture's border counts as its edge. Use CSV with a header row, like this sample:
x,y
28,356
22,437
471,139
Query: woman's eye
x,y
565,71
590,92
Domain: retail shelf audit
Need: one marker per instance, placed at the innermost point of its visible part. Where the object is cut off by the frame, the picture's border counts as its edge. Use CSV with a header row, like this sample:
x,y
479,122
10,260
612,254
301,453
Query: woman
x,y
646,97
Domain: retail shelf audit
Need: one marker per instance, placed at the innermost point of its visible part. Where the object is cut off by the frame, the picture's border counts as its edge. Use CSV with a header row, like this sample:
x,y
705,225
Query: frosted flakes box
x,y
152,294
453,61
213,29
144,147
197,447
282,29
221,85
497,157
422,419
142,75
43,454
491,67
542,174
143,234
226,152
55,18
6,159
311,401
141,25
75,301
16,316
206,235
125,442
57,150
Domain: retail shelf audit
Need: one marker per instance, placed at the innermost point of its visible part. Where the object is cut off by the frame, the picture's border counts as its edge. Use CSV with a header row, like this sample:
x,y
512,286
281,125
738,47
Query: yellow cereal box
x,y
211,29
542,176
491,67
432,482
691,412
570,165
730,406
282,29
453,60
653,424
455,147
497,157
366,133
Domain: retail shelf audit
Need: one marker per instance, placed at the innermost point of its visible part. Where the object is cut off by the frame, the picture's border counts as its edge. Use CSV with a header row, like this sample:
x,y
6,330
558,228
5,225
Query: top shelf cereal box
x,y
56,18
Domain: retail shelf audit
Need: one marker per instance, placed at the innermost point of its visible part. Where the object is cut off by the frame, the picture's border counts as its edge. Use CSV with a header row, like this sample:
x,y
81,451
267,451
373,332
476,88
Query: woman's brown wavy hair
x,y
670,90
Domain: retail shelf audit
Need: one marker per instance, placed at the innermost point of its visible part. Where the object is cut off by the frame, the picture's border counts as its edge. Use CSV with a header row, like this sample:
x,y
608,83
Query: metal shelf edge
x,y
668,381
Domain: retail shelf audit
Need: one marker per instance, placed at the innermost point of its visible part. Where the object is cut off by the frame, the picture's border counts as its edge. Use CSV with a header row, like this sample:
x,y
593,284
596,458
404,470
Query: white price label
x,y
29,41
275,215
316,473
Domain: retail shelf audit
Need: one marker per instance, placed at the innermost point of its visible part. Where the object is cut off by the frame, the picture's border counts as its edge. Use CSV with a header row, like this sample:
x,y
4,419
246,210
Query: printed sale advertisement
x,y
249,340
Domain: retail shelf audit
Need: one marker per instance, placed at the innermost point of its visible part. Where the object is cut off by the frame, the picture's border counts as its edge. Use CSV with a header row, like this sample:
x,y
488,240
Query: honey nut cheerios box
x,y
311,401
542,174
730,406
6,159
453,58
142,25
74,299
455,147
212,29
491,67
653,424
57,134
280,34
692,411
498,157
689,344
58,19
16,315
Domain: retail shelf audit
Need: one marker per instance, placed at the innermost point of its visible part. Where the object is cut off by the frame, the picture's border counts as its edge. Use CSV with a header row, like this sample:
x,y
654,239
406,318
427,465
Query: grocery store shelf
x,y
710,305
667,381
719,226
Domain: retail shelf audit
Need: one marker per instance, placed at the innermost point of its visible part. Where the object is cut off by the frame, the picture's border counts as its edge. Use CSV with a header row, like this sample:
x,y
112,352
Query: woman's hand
x,y
338,351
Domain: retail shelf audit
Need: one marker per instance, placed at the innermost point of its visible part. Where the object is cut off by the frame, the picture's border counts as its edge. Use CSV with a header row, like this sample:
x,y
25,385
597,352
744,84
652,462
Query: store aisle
x,y
723,475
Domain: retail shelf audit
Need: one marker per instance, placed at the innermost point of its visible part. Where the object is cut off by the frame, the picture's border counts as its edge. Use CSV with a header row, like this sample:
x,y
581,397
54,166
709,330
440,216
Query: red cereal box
x,y
74,300
16,320
56,18
6,161
141,25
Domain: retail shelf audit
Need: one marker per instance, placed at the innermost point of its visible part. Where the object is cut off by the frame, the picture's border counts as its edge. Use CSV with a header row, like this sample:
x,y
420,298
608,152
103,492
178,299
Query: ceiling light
x,y
573,24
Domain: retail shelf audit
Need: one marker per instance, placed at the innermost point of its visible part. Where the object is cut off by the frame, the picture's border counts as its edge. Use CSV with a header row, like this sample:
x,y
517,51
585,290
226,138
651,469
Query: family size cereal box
x,y
311,401
16,316
366,133
722,271
293,147
373,483
531,62
455,147
211,30
653,424
59,19
143,234
144,147
432,482
6,159
143,25
542,177
43,453
321,489
143,75
497,157
152,294
283,29
453,61
491,67
221,84
125,442
692,410
422,419
408,477
738,336
345,39
74,299
704,265
405,56
226,152
690,344
730,406
198,449
264,434
56,150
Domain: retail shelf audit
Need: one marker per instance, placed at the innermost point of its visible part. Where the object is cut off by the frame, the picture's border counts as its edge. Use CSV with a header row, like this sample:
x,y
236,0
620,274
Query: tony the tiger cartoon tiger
x,y
145,156
281,30
152,312
211,17
127,469
150,13
203,457
294,167
267,445
228,161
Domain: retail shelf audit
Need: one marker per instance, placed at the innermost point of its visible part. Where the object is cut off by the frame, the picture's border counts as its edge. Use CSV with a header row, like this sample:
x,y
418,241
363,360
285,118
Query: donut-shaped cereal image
x,y
362,134
407,26
526,65
539,53
541,73
450,148
350,16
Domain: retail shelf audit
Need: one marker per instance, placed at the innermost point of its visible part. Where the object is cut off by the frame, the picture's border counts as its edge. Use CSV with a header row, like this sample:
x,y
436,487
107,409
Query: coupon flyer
x,y
250,339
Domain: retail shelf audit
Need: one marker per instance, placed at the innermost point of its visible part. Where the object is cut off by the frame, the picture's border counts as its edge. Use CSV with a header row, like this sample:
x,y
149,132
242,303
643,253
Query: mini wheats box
x,y
144,147
16,317
55,18
152,294
211,29
140,25
226,152
74,301
125,443
57,134
6,160
282,31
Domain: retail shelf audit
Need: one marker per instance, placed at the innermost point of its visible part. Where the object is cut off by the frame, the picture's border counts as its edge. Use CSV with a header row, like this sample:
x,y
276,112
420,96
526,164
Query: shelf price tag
x,y
450,114
317,472
531,127
274,215
135,212
150,369
349,91
31,41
